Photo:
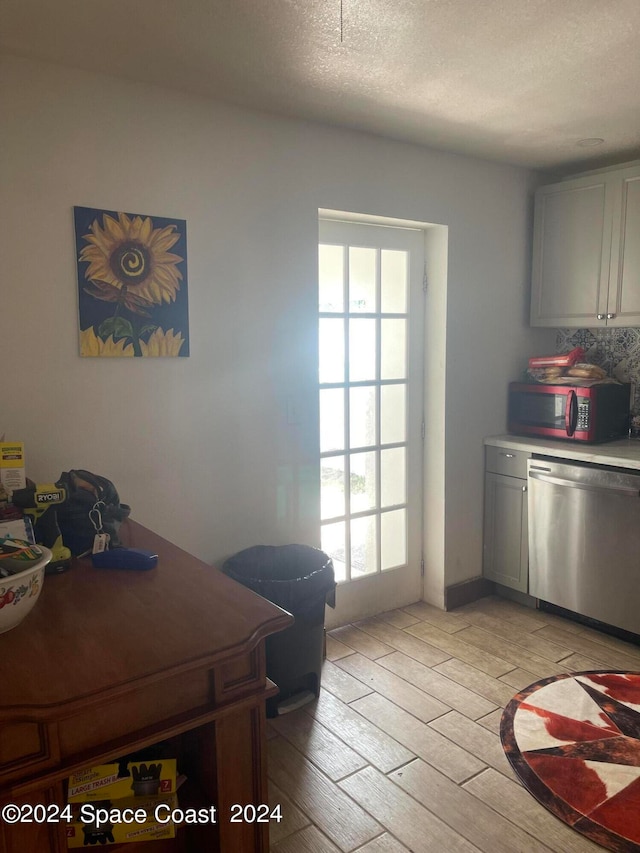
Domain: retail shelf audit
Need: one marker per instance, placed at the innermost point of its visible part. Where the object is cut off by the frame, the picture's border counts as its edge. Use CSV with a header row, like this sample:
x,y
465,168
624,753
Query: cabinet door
x,y
571,252
506,550
624,288
30,834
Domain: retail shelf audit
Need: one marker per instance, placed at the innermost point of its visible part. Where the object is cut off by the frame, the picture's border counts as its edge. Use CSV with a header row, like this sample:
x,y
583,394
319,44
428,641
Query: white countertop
x,y
623,453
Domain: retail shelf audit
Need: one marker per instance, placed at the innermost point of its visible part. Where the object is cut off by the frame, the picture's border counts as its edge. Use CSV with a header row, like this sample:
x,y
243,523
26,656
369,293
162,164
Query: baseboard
x,y
514,595
467,591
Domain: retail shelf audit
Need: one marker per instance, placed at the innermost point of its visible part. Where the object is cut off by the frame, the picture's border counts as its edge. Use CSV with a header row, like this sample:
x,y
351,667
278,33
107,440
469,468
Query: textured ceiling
x,y
520,81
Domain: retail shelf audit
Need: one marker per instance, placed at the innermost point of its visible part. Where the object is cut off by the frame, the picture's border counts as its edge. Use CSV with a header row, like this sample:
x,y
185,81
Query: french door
x,y
370,365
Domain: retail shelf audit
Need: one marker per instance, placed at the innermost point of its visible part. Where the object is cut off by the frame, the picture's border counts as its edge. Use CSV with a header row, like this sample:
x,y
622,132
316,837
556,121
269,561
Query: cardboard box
x,y
121,821
12,473
123,780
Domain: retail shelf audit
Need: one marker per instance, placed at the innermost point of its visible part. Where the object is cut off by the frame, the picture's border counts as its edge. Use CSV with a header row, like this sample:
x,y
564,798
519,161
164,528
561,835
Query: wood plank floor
x,y
402,752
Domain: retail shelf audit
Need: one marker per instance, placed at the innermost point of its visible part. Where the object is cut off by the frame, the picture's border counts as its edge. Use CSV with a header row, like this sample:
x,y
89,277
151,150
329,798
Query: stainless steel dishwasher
x,y
584,540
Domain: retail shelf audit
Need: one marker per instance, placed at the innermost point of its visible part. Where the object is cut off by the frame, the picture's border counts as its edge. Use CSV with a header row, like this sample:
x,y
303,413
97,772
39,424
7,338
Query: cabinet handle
x,y
600,316
509,455
610,316
524,488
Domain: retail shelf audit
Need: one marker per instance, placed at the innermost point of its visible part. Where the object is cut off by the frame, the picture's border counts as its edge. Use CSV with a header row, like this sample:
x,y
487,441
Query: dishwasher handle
x,y
575,484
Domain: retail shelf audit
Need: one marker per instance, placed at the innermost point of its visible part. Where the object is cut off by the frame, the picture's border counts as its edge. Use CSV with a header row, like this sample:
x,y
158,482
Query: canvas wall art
x,y
132,284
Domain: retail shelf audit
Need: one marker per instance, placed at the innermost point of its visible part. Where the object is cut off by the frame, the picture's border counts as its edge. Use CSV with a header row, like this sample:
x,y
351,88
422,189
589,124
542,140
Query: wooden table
x,y
112,661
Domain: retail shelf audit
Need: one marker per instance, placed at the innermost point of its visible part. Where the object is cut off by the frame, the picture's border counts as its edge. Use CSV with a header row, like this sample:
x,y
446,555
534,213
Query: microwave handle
x,y
571,412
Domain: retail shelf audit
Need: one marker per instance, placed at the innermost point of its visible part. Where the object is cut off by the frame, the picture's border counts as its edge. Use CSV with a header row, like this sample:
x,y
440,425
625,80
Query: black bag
x,y
92,506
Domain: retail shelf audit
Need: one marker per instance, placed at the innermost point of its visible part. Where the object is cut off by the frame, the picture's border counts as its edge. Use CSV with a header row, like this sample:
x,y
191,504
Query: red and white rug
x,y
574,742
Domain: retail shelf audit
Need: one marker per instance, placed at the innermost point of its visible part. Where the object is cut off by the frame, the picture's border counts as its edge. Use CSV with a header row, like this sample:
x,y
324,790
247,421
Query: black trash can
x,y
299,579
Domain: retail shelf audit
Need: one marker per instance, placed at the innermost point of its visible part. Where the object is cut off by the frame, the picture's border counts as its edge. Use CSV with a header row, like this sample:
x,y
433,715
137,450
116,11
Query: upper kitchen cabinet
x,y
586,251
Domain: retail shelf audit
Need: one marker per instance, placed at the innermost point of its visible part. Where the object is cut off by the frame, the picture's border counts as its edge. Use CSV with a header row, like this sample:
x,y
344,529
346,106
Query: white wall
x,y
200,446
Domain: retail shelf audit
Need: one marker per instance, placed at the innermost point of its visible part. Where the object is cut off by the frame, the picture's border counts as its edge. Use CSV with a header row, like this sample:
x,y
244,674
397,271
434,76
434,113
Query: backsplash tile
x,y
616,350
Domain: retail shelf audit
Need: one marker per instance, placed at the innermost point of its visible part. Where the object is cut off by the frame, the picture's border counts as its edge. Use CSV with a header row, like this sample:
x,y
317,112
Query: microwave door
x,y
543,411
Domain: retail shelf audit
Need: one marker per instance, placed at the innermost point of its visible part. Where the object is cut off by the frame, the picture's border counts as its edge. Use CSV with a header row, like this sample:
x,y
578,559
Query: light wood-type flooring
x,y
402,749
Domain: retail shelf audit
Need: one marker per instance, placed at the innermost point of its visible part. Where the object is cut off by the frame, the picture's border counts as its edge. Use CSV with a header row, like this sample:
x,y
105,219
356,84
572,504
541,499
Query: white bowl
x,y
19,592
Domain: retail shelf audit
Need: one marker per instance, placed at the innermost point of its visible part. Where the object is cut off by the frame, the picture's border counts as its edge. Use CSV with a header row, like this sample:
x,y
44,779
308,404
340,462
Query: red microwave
x,y
595,414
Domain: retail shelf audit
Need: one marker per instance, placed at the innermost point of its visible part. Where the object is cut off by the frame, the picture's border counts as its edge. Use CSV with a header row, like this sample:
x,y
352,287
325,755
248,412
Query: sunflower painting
x,y
132,284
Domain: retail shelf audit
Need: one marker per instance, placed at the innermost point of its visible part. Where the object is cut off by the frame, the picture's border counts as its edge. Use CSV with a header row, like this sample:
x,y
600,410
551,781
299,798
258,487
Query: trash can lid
x,y
295,577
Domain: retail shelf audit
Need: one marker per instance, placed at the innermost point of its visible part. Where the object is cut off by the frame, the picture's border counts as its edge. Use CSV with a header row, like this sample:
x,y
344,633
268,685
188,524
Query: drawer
x,y
513,463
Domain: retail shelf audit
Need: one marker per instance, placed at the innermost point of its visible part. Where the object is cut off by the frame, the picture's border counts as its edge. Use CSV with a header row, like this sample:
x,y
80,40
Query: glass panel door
x,y
370,317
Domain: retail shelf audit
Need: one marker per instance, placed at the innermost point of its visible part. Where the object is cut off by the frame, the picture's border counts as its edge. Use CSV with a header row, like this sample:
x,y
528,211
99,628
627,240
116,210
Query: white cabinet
x,y
505,543
586,251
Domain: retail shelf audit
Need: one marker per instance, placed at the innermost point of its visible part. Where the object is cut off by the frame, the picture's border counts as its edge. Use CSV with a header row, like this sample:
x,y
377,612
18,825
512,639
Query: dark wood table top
x,y
94,631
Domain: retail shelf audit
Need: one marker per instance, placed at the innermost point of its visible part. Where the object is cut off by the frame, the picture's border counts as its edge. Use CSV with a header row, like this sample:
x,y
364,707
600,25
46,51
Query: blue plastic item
x,y
137,559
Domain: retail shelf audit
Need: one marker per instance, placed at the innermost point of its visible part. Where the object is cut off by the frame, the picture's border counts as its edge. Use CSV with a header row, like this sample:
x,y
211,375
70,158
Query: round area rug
x,y
574,742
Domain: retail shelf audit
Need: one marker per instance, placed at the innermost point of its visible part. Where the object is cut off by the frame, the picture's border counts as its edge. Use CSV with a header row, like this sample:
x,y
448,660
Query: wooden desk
x,y
111,661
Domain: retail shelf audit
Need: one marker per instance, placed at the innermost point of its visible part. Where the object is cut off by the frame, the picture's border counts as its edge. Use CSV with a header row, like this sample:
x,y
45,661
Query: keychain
x,y
101,539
